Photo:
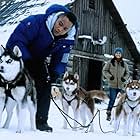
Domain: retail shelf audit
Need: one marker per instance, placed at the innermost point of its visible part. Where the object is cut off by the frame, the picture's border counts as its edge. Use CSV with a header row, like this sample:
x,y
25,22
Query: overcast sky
x,y
129,10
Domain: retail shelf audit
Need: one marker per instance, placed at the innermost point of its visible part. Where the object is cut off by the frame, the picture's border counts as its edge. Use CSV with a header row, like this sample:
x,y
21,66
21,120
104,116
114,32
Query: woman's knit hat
x,y
118,50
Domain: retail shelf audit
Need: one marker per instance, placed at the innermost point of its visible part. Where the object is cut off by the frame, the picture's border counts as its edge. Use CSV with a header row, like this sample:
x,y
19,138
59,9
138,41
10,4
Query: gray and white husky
x,y
128,108
16,88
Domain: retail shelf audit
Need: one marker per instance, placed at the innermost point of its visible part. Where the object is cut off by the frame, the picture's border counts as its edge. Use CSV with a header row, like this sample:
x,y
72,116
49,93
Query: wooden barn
x,y
101,29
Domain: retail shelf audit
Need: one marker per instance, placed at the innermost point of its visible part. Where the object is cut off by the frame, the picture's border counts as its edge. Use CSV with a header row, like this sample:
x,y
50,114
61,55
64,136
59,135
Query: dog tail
x,y
98,94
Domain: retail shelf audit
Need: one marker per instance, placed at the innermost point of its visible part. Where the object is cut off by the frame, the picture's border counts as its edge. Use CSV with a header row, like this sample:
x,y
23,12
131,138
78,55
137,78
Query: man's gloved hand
x,y
55,91
122,79
112,78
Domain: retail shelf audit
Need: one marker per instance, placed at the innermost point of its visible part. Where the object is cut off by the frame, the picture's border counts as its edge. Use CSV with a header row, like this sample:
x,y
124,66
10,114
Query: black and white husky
x,y
16,88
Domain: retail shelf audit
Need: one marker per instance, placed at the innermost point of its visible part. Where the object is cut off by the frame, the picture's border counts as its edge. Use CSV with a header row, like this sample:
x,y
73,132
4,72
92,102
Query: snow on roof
x,y
94,41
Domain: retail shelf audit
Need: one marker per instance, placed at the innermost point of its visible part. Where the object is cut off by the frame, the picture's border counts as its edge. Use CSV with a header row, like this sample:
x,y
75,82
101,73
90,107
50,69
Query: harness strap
x,y
8,94
132,108
69,102
8,85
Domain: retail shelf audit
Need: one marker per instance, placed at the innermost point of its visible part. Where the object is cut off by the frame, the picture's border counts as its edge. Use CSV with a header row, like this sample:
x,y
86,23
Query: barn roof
x,y
122,28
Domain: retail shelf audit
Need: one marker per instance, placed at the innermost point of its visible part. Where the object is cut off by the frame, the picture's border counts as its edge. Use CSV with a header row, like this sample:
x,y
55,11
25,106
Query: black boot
x,y
42,125
108,115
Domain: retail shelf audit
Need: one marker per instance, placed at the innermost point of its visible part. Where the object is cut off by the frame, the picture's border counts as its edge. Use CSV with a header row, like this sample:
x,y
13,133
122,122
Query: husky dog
x,y
79,99
87,104
70,83
16,88
129,107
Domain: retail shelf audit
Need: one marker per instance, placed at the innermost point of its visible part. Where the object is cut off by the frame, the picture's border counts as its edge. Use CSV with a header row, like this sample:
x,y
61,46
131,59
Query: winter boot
x,y
43,125
108,115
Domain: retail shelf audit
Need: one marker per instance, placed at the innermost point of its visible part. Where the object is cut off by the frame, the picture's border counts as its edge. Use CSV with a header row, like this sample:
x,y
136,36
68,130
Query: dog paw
x,y
33,129
19,131
5,127
64,126
74,129
125,133
133,133
81,128
91,130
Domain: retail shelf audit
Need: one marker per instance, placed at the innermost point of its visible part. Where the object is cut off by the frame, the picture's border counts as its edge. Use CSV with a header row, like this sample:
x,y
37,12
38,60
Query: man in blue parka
x,y
40,36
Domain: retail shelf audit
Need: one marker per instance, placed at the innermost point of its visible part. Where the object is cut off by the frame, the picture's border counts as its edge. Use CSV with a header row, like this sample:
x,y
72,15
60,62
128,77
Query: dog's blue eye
x,y
9,61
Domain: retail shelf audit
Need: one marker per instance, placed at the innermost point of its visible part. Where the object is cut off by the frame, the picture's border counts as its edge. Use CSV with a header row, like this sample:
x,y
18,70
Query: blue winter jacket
x,y
35,40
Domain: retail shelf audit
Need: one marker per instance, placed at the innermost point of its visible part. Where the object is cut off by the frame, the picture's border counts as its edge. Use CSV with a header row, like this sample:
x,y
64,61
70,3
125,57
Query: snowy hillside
x,y
13,11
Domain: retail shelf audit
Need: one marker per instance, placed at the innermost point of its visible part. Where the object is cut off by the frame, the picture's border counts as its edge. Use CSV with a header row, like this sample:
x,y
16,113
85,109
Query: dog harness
x,y
20,79
132,108
69,101
8,85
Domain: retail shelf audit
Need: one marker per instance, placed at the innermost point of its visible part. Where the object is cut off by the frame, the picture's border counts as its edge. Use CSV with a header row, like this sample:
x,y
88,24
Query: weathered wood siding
x,y
97,21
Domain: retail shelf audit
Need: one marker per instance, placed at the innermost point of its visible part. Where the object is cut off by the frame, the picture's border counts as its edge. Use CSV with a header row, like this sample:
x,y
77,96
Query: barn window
x,y
92,4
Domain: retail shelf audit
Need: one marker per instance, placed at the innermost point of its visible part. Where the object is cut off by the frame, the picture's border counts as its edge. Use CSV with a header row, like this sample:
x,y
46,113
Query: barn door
x,y
90,72
94,74
80,65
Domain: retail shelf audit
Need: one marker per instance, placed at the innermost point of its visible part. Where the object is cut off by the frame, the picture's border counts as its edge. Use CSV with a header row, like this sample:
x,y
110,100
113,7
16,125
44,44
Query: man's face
x,y
61,26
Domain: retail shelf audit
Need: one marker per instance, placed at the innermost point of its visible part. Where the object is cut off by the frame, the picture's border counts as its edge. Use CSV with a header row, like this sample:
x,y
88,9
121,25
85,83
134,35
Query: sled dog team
x,y
81,101
17,90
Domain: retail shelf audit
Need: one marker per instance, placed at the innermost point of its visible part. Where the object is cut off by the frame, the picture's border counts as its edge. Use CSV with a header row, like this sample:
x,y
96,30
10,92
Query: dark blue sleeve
x,y
59,62
23,34
60,58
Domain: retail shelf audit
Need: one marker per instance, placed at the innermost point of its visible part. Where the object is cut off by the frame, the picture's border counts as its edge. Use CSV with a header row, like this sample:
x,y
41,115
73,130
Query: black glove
x,y
122,79
53,77
112,78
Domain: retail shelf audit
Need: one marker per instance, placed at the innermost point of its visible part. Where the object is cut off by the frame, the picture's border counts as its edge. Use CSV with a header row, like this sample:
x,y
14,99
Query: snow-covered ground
x,y
56,121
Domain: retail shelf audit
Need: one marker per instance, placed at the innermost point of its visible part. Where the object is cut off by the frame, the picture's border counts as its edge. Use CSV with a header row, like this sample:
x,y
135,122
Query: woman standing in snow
x,y
117,73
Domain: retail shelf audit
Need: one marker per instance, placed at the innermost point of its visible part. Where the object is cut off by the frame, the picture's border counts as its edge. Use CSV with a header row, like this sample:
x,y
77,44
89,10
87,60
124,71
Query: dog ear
x,y
139,81
2,49
76,76
129,80
66,74
17,51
